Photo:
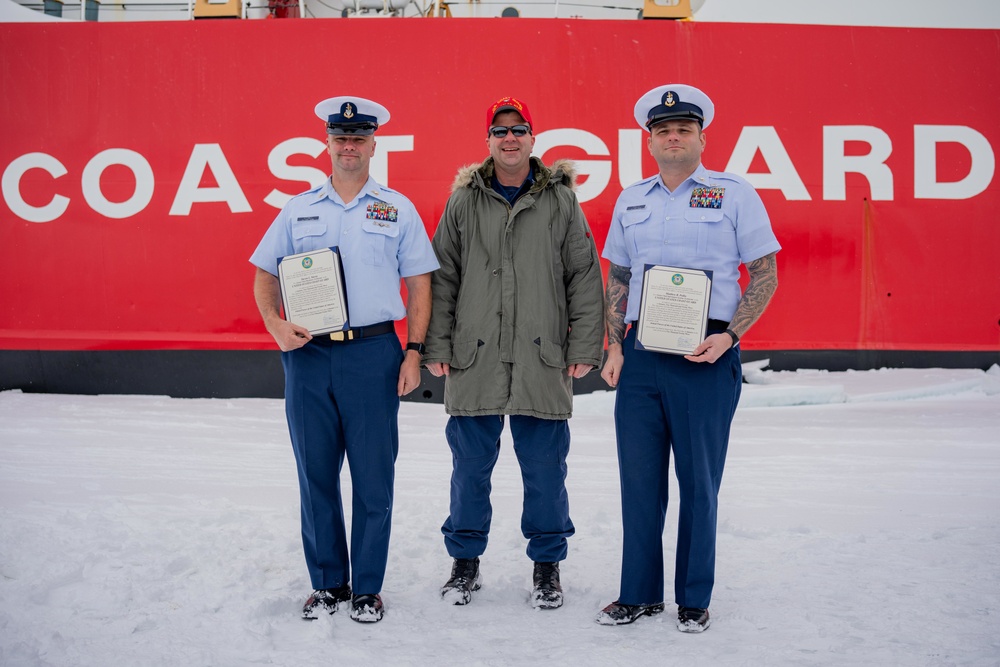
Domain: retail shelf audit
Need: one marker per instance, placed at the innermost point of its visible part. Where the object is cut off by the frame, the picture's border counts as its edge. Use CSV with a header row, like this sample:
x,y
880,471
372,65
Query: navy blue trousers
x,y
665,402
341,399
541,446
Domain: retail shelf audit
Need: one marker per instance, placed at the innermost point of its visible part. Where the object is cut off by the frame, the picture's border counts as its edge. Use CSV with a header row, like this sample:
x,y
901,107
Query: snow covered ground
x,y
860,525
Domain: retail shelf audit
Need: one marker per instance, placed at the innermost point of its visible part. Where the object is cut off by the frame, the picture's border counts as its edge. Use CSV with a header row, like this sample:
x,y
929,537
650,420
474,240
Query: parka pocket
x,y
463,353
580,251
551,353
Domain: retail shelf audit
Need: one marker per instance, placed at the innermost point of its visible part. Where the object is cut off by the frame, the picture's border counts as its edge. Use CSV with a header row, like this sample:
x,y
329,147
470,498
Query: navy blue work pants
x,y
341,399
666,402
541,446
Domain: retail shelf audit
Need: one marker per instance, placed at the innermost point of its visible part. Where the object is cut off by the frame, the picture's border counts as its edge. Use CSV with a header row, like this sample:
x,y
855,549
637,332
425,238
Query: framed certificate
x,y
312,290
673,310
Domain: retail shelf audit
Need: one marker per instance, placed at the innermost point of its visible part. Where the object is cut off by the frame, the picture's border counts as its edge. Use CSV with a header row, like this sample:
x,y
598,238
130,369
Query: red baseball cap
x,y
508,104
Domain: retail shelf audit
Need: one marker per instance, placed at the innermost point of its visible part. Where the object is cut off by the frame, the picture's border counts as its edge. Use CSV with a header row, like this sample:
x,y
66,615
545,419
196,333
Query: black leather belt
x,y
357,333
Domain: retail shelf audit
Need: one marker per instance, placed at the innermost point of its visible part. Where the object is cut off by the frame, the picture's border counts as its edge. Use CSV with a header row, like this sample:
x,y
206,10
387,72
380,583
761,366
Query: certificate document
x,y
673,311
312,290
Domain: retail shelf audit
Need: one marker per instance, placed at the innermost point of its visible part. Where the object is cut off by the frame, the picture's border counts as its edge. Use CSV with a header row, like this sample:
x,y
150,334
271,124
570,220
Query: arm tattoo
x,y
763,283
617,301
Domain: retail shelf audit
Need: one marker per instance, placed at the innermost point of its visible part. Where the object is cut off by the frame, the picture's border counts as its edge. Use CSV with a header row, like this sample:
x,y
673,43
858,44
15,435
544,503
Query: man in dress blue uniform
x,y
685,216
342,390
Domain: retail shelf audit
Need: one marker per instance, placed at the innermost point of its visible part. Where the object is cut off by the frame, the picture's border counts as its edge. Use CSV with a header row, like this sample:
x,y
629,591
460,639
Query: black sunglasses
x,y
519,131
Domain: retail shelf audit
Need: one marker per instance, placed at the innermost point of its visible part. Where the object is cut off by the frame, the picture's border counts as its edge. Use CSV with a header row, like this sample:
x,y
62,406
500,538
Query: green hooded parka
x,y
518,297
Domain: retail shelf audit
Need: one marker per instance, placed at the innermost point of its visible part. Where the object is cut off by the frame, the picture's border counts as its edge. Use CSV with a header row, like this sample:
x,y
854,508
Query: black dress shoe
x,y
617,613
367,608
325,599
692,619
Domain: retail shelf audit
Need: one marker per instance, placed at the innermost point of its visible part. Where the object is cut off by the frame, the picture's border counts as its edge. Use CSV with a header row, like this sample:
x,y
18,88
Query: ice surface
x,y
859,525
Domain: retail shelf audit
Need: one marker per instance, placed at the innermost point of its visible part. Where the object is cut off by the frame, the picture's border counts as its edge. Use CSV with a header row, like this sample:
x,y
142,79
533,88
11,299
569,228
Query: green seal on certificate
x,y
312,290
673,310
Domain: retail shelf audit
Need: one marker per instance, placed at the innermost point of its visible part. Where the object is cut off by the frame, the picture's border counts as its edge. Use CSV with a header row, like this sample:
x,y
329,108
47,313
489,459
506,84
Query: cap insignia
x,y
668,99
348,111
508,102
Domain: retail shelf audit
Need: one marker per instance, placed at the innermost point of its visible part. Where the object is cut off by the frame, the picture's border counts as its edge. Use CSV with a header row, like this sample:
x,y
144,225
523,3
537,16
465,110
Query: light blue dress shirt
x,y
381,239
713,221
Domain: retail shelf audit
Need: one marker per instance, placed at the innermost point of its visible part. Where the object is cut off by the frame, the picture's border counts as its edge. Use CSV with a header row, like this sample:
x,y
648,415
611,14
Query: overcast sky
x,y
904,13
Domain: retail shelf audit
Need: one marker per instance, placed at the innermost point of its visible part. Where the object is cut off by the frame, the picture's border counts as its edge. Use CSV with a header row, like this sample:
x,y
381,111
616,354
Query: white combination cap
x,y
351,115
673,101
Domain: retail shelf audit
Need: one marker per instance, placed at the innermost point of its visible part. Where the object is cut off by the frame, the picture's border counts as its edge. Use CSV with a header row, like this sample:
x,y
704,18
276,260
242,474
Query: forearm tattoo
x,y
763,283
617,301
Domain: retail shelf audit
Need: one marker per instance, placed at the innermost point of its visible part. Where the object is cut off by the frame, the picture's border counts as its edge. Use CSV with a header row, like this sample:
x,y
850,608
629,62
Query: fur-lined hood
x,y
562,172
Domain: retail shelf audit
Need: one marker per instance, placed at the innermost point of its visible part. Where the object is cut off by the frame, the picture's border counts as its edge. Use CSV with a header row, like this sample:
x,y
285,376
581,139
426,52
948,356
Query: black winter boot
x,y
464,579
548,591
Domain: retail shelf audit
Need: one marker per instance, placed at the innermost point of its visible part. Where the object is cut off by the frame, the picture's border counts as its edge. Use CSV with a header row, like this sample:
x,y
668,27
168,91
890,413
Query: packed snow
x,y
859,525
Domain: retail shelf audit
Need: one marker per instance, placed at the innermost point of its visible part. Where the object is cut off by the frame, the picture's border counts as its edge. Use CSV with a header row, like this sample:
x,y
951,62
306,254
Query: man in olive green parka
x,y
517,313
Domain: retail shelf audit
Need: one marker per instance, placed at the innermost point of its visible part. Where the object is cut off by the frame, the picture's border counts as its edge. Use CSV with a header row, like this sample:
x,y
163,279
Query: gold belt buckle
x,y
341,336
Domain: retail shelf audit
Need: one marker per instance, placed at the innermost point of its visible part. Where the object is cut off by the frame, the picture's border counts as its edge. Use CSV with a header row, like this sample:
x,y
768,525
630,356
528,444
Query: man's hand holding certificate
x,y
312,290
673,311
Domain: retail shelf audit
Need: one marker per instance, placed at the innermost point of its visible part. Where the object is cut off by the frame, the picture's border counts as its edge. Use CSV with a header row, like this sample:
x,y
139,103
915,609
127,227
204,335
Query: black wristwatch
x,y
419,347
732,334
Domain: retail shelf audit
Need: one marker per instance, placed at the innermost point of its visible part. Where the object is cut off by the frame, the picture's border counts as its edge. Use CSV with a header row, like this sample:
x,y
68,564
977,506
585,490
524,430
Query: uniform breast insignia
x,y
637,207
307,218
707,197
380,211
